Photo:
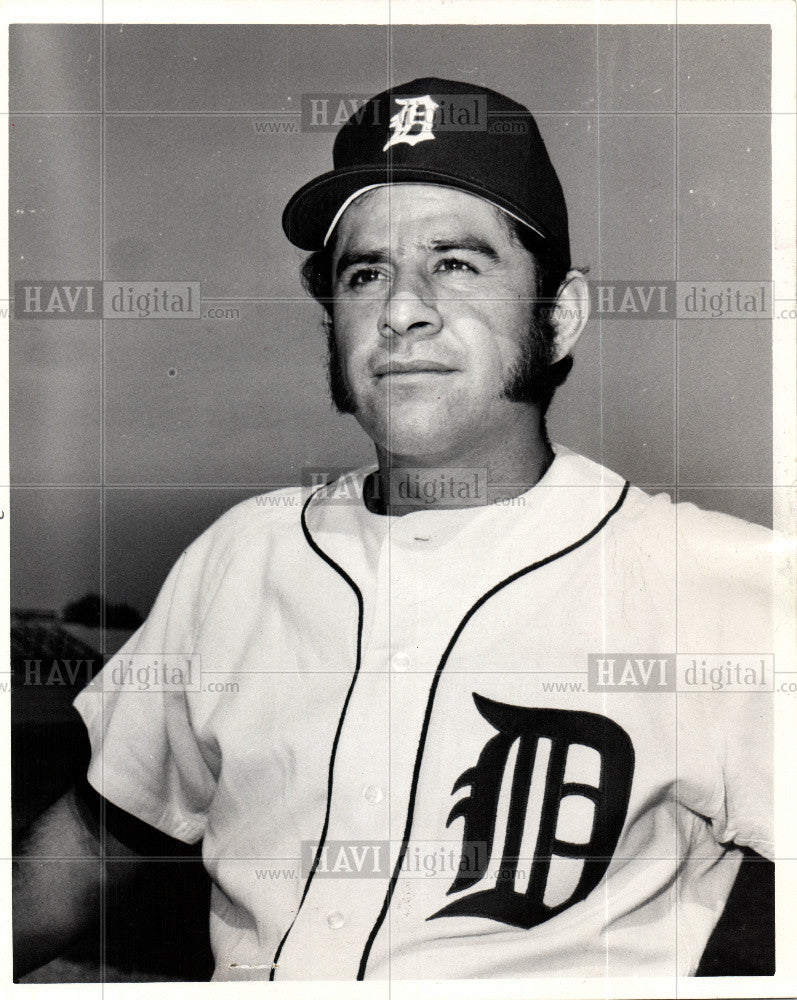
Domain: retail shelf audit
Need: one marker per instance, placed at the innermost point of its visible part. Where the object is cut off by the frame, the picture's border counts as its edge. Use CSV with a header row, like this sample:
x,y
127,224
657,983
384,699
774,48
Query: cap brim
x,y
311,211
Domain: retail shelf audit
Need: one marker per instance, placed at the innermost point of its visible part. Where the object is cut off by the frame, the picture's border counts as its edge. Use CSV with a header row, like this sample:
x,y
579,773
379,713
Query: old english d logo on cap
x,y
415,113
404,136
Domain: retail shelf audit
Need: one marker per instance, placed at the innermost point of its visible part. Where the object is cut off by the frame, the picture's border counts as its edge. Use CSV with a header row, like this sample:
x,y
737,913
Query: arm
x,y
59,878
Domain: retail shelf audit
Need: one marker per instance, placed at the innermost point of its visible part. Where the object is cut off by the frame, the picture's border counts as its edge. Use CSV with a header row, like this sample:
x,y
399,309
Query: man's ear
x,y
570,313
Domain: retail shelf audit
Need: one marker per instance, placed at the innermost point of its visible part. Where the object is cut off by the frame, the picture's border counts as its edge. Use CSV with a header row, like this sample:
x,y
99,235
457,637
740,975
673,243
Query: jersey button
x,y
372,793
336,920
401,661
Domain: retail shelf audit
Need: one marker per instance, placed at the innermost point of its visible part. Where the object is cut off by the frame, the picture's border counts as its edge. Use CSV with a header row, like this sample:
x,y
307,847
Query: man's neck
x,y
406,484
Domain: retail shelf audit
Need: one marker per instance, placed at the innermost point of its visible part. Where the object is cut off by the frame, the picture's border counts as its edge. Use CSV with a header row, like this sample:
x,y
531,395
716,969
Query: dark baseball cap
x,y
434,131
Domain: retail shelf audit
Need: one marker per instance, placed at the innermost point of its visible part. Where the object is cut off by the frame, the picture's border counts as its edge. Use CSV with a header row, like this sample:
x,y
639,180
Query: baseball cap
x,y
435,131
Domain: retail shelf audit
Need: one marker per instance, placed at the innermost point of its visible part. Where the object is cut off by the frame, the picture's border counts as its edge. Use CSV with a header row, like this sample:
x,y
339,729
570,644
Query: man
x,y
434,761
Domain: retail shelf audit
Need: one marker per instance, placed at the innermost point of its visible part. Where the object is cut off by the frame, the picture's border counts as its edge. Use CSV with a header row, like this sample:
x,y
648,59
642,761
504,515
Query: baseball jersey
x,y
448,744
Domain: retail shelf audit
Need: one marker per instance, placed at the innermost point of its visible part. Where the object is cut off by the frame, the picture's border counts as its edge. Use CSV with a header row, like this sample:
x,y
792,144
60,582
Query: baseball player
x,y
461,739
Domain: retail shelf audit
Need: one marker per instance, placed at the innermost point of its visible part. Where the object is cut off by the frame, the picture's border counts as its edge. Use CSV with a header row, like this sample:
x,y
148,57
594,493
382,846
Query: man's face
x,y
433,305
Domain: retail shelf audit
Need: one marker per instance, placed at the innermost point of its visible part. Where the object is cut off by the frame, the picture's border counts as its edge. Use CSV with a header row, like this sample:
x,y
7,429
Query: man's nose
x,y
410,308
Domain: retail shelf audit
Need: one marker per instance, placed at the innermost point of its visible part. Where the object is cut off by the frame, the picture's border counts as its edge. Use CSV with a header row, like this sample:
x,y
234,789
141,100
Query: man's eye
x,y
455,264
364,276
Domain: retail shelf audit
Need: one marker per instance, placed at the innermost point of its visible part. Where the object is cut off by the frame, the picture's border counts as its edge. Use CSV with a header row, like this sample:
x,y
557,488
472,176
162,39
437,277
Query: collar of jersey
x,y
565,505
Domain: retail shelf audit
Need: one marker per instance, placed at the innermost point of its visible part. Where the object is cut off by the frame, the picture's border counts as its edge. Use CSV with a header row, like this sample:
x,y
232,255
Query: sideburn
x,y
529,380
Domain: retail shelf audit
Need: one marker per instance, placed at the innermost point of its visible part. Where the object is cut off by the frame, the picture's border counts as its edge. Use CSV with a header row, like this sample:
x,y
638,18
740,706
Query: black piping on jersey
x,y
322,839
430,704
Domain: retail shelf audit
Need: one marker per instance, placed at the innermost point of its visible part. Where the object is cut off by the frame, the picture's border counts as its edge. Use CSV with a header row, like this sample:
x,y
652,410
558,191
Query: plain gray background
x,y
661,139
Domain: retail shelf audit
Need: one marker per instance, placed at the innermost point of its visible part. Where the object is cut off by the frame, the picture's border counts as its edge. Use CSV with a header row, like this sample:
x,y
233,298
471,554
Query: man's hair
x,y
534,380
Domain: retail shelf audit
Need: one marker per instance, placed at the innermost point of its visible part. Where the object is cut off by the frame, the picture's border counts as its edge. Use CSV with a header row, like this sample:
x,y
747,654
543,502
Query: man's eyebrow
x,y
349,258
473,244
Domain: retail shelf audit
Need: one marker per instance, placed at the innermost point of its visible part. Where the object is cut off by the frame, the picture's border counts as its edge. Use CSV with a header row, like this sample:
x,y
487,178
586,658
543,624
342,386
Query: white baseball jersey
x,y
397,754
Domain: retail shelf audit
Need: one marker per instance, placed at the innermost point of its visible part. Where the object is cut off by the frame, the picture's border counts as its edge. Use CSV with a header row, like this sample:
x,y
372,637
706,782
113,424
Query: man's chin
x,y
415,423
408,452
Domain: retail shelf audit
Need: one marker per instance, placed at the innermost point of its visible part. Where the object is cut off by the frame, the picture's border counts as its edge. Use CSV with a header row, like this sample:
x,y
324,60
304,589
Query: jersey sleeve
x,y
145,755
744,809
725,614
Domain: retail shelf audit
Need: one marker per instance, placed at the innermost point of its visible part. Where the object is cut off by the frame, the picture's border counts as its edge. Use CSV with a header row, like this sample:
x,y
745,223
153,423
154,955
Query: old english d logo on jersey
x,y
569,768
413,122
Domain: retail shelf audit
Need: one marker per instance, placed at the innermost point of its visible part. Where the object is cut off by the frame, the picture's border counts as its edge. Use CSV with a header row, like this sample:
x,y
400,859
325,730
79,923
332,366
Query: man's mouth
x,y
416,367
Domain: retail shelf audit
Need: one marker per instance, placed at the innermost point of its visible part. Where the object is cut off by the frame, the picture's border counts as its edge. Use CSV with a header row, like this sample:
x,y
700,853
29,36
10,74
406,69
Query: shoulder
x,y
253,519
243,535
701,544
250,531
713,573
719,541
718,568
